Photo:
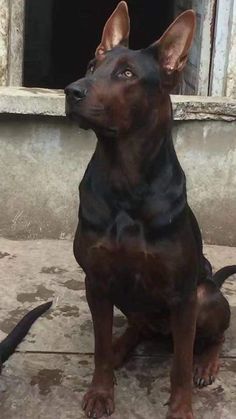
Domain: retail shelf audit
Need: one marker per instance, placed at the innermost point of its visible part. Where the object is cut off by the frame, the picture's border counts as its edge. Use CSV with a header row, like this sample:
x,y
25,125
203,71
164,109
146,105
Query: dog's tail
x,y
10,343
220,276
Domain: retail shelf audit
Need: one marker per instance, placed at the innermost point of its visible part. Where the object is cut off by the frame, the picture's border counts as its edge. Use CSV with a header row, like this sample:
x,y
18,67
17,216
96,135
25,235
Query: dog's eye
x,y
91,68
127,74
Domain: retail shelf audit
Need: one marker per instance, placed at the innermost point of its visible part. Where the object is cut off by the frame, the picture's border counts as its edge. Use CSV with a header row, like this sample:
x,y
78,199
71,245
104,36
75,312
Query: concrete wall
x,y
207,152
42,160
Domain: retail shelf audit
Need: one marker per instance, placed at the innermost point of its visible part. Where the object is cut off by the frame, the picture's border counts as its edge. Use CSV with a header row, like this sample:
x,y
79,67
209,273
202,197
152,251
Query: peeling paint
x,y
231,70
45,379
53,270
42,293
74,285
4,27
65,311
4,254
13,318
223,75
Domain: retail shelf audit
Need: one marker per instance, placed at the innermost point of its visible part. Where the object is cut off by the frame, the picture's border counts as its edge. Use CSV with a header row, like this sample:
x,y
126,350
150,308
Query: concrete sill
x,y
35,101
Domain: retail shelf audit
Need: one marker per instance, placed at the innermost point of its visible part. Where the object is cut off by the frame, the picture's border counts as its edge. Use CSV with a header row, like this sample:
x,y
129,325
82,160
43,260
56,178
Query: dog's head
x,y
124,88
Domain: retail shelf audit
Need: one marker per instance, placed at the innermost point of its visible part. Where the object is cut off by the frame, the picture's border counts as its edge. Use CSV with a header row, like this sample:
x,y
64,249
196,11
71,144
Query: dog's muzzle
x,y
75,93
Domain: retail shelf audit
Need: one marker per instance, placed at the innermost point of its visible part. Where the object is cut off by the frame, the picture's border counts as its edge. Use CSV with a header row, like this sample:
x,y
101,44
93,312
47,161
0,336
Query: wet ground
x,y
49,374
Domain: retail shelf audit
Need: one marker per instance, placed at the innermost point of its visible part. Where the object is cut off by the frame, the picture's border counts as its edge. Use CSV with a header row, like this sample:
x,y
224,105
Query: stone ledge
x,y
35,101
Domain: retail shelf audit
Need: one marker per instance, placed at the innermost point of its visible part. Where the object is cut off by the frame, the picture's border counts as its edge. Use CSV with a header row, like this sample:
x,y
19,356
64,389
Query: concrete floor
x,y
48,376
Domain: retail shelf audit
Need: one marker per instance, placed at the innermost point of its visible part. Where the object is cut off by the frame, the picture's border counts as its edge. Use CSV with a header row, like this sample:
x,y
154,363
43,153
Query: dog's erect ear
x,y
171,50
116,29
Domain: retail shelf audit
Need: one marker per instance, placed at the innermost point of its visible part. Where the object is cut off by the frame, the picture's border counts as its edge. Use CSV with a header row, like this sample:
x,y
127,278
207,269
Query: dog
x,y
15,337
138,240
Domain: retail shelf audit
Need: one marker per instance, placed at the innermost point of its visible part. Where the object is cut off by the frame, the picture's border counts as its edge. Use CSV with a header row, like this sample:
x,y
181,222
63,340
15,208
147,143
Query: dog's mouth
x,y
80,120
90,120
75,114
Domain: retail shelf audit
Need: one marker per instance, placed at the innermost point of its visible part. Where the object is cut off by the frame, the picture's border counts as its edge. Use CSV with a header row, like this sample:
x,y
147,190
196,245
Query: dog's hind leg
x,y
212,321
207,364
124,344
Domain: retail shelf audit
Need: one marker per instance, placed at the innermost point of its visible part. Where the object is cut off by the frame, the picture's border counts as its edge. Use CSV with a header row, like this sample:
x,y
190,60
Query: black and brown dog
x,y
138,240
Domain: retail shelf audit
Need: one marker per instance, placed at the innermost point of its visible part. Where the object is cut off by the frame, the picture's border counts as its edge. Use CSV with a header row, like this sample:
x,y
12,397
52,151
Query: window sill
x,y
35,101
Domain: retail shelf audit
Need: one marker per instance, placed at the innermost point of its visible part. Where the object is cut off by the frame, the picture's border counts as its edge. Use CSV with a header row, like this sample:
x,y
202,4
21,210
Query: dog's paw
x,y
180,414
98,402
205,371
179,409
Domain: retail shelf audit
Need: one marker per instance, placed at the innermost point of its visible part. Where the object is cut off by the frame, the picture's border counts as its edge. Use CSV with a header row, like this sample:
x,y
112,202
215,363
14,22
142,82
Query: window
x,y
58,38
61,36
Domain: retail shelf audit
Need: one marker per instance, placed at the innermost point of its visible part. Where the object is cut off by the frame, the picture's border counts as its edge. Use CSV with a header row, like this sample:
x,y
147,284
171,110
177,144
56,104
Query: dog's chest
x,y
118,243
137,274
135,281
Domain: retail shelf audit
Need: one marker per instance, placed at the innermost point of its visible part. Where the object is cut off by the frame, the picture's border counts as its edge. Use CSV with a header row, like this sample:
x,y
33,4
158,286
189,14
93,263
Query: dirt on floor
x,y
48,376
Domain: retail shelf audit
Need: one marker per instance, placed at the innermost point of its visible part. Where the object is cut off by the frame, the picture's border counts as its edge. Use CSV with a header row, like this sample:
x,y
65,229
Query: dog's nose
x,y
75,92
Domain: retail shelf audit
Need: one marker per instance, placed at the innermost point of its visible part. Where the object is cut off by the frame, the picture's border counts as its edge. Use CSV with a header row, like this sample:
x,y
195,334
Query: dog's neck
x,y
129,157
143,156
139,175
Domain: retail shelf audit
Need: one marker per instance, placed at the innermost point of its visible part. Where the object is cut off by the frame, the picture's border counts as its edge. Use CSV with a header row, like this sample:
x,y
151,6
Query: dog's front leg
x,y
183,324
99,399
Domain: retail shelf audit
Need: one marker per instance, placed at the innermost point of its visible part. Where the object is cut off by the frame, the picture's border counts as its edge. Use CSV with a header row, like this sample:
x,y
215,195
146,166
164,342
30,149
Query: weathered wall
x,y
207,151
11,41
4,27
42,160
